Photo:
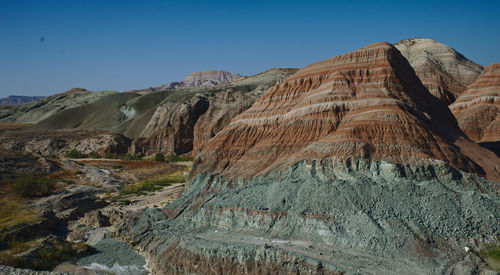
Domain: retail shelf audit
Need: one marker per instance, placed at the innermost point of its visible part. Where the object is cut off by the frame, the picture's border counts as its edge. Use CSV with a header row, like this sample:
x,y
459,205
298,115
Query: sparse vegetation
x,y
152,185
46,257
31,186
116,166
13,213
75,154
110,155
160,157
125,202
175,158
491,254
94,155
129,156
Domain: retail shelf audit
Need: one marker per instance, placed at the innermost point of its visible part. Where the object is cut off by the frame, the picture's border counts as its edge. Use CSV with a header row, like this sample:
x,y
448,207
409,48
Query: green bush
x,y
492,256
185,158
110,155
174,158
160,157
125,202
94,155
75,154
129,156
31,186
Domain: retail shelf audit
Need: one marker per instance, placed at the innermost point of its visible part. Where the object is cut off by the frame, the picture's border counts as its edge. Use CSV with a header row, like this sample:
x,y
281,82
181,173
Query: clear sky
x,y
51,46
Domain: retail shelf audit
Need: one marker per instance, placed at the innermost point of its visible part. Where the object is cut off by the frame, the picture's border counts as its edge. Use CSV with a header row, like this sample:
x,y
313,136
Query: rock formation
x,y
209,79
171,128
195,79
348,166
39,110
478,109
179,126
60,142
443,70
14,100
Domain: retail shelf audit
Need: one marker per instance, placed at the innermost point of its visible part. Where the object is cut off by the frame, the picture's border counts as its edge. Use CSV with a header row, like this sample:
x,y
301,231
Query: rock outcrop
x,y
171,128
179,126
478,109
195,79
39,110
443,70
348,166
362,104
60,142
209,79
14,100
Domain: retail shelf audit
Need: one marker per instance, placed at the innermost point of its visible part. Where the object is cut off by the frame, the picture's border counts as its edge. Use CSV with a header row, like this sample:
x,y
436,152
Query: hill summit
x,y
348,166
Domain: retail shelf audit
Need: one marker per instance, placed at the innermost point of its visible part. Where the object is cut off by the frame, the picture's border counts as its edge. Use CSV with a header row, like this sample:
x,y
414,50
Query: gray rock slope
x,y
357,217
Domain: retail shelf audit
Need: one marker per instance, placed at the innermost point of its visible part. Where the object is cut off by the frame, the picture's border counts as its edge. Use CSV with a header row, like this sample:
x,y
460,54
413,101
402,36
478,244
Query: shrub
x,y
94,155
129,156
185,158
125,202
174,158
75,154
110,155
160,157
31,186
491,255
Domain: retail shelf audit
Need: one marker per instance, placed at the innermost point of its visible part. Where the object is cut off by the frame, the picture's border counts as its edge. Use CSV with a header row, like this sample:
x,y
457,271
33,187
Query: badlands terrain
x,y
383,160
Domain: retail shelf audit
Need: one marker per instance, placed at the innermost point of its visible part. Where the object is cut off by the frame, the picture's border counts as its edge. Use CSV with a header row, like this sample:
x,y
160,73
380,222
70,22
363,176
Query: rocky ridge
x,y
196,79
478,109
60,142
39,110
443,70
349,166
14,100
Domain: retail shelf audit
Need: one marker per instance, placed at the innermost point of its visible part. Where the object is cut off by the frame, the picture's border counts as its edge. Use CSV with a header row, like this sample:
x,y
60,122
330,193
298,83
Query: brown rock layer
x,y
443,70
368,103
223,107
478,109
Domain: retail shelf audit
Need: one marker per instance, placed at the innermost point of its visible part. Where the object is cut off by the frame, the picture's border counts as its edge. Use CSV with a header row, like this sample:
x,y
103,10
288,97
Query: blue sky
x,y
50,46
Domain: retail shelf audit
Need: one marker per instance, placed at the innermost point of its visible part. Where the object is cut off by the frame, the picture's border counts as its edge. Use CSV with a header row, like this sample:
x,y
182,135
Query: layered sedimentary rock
x,y
349,166
443,70
367,104
478,109
183,125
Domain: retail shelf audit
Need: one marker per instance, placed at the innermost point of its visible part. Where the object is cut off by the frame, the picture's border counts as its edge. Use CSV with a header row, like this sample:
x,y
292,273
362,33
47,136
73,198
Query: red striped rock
x,y
478,109
443,70
368,104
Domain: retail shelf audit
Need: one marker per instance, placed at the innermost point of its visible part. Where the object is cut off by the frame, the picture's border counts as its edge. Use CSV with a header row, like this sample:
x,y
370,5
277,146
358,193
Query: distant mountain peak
x,y
209,78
